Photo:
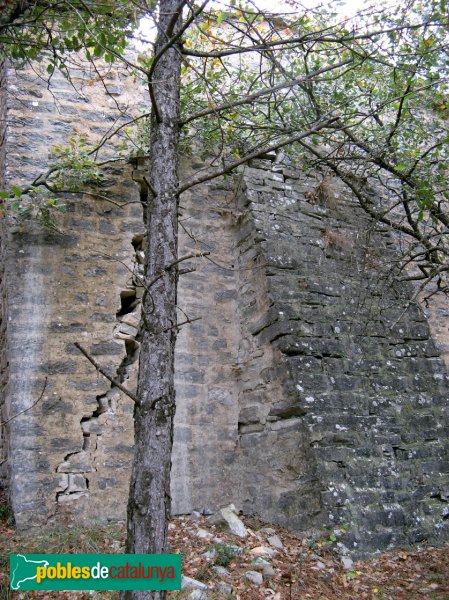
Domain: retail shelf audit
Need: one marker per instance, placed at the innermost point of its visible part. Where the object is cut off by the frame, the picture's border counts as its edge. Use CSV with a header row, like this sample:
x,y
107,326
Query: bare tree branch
x,y
113,380
266,91
257,153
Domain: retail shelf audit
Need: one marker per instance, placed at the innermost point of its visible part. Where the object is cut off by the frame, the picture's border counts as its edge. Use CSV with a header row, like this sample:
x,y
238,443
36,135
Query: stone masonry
x,y
348,423
310,392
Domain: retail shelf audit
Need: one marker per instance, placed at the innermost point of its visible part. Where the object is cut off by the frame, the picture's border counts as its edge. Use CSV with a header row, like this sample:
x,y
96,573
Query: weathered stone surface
x,y
260,563
198,595
221,571
188,583
62,289
347,562
263,552
227,519
255,577
275,541
268,571
224,588
306,394
126,332
202,533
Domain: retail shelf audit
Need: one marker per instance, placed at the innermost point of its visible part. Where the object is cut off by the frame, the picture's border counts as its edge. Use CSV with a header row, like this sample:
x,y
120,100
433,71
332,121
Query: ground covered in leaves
x,y
302,568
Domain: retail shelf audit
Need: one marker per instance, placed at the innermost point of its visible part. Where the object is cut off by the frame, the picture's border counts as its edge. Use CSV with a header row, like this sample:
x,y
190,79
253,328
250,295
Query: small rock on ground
x,y
197,595
221,571
275,541
187,583
268,571
263,551
224,588
254,577
227,518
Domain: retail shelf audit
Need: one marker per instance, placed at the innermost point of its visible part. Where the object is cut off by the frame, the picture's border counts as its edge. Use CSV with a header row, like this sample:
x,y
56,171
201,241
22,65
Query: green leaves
x,y
73,165
389,105
16,191
32,203
53,29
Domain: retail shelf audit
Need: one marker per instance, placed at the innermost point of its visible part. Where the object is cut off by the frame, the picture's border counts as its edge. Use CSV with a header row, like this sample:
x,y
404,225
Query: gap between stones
x,y
74,468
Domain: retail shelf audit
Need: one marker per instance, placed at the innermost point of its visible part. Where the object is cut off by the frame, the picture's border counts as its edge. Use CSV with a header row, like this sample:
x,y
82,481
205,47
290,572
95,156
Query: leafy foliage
x,y
224,554
380,80
371,93
30,204
29,30
73,166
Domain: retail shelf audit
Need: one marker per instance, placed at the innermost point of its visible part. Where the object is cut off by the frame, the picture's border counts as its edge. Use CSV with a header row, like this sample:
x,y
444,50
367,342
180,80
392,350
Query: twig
x,y
256,154
178,325
106,374
25,409
150,187
176,262
264,92
186,257
185,271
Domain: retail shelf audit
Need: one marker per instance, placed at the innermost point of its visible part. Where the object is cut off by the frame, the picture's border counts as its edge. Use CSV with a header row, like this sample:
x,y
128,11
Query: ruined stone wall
x,y
358,435
205,466
2,122
308,392
71,453
278,471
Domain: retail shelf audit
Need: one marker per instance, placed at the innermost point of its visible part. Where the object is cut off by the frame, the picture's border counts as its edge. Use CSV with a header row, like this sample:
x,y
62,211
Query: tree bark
x,y
149,501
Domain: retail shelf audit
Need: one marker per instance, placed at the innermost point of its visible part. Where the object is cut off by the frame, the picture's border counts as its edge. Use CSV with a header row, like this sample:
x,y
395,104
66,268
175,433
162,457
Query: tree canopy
x,y
363,98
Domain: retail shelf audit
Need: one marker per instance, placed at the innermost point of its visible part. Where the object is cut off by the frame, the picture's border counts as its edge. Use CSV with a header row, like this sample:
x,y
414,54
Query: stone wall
x,y
309,392
71,453
205,466
357,431
2,122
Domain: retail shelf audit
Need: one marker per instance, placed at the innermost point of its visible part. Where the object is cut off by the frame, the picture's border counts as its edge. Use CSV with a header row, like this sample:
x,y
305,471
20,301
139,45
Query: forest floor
x,y
303,568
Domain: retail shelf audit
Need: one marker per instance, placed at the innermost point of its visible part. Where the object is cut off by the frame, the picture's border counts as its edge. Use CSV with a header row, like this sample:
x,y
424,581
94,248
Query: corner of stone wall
x,y
277,469
346,422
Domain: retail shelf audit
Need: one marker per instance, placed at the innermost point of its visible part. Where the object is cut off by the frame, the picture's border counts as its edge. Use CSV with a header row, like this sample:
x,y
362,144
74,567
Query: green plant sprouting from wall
x,y
73,169
33,204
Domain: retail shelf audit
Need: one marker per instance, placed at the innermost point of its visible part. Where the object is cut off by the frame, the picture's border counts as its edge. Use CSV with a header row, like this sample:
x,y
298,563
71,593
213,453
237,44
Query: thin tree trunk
x,y
149,499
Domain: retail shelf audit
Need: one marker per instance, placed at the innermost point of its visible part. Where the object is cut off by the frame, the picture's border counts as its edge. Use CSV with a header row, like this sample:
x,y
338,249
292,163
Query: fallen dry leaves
x,y
302,570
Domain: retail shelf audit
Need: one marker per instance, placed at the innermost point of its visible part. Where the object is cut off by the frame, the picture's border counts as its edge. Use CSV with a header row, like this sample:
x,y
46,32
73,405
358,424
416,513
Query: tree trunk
x,y
149,499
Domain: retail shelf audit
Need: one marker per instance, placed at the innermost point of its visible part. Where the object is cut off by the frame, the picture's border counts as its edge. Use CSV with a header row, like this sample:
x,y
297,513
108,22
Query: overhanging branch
x,y
256,154
266,91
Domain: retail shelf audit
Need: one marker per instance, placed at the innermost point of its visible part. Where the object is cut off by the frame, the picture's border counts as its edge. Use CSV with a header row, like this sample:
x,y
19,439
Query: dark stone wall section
x,y
359,437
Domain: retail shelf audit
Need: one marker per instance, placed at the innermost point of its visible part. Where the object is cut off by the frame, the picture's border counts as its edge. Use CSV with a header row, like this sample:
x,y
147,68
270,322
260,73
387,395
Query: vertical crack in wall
x,y
74,469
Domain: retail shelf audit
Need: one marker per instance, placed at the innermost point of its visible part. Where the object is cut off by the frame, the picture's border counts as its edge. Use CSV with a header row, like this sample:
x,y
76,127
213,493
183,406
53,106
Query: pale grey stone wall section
x,y
205,462
70,454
